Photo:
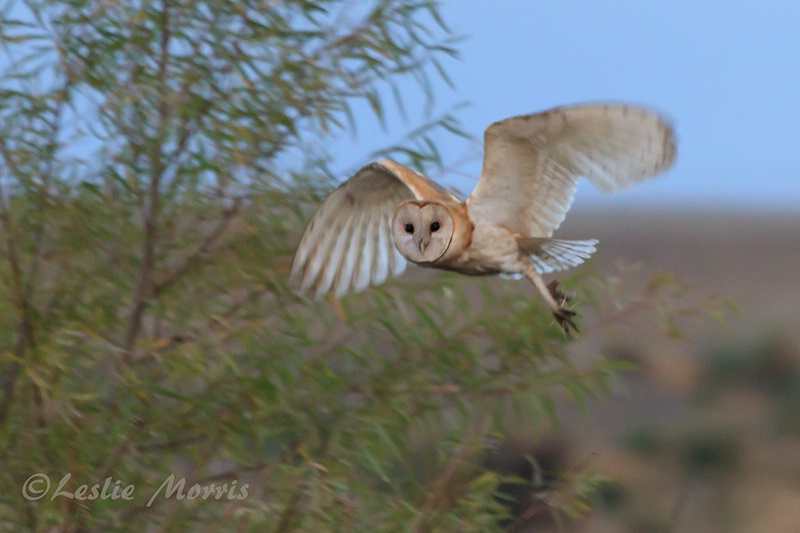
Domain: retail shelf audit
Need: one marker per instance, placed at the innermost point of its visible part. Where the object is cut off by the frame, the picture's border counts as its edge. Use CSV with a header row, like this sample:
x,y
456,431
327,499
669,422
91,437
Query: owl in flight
x,y
387,214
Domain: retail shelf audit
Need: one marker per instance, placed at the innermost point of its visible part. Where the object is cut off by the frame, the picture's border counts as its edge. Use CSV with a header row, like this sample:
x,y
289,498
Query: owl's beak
x,y
422,243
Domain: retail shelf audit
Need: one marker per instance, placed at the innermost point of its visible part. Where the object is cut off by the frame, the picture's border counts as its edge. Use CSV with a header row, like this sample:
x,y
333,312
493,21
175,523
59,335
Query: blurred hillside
x,y
749,257
703,435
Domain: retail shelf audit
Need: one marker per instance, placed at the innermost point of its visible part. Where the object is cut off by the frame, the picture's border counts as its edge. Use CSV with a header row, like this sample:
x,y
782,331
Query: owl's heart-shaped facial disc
x,y
422,231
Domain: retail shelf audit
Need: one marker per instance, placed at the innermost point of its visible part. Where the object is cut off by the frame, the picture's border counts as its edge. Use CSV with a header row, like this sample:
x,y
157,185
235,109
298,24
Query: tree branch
x,y
142,292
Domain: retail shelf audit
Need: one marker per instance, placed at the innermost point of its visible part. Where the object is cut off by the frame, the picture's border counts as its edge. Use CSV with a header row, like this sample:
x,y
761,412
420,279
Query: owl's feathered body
x,y
386,213
489,250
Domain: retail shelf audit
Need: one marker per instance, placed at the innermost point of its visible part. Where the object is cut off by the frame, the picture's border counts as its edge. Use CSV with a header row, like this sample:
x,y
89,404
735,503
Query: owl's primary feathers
x,y
386,214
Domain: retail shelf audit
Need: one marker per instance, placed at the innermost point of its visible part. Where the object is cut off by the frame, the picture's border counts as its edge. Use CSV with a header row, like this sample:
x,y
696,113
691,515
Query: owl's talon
x,y
563,316
557,295
564,319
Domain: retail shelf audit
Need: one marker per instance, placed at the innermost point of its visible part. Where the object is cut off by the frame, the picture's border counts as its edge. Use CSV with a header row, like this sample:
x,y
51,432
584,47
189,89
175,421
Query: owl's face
x,y
422,231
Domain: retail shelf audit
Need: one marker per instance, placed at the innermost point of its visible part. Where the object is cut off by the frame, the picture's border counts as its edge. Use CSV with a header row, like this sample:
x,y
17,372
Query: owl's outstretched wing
x,y
531,163
348,244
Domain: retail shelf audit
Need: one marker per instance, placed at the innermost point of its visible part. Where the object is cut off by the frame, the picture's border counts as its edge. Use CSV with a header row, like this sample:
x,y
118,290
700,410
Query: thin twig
x,y
202,251
10,375
291,509
76,521
35,261
26,344
444,483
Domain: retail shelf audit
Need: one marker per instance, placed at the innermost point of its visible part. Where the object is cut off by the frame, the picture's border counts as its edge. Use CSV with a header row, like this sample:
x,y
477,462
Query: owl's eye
x,y
435,227
409,228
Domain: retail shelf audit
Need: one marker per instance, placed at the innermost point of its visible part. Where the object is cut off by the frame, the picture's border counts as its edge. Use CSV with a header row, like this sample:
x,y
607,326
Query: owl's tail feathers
x,y
552,255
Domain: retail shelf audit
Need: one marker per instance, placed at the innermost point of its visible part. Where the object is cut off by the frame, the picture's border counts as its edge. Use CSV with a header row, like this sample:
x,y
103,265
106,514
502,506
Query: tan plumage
x,y
386,213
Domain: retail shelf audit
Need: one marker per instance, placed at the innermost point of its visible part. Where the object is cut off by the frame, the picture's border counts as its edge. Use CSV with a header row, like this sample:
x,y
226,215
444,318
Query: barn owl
x,y
387,214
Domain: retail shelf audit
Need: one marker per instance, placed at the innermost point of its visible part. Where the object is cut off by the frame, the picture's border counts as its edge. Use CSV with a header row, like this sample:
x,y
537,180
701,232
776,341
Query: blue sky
x,y
727,74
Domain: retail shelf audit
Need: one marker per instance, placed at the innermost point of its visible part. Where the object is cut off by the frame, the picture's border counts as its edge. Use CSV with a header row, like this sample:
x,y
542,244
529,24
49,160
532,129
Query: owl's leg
x,y
551,293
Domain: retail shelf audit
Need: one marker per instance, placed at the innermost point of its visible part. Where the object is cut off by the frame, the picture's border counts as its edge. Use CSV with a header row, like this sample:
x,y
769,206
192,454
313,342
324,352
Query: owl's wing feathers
x,y
348,244
552,255
531,163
